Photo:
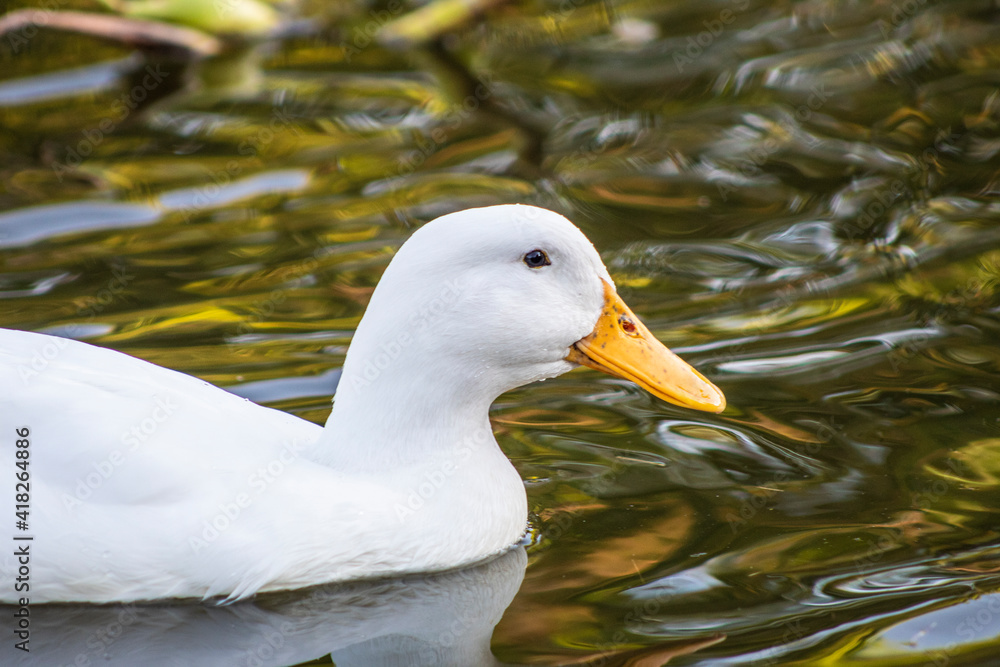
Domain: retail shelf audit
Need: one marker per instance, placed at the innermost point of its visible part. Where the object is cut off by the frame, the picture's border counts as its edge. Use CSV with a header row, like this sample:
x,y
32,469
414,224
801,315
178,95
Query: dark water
x,y
798,197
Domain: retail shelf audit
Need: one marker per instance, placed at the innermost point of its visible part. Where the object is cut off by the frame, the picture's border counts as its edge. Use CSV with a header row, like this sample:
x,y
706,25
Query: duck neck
x,y
396,416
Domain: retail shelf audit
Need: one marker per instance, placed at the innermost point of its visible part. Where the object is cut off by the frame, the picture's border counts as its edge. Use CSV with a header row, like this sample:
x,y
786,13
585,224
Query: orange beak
x,y
622,346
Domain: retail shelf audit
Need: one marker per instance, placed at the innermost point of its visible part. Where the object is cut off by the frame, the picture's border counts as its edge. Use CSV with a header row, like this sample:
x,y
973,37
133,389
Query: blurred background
x,y
800,198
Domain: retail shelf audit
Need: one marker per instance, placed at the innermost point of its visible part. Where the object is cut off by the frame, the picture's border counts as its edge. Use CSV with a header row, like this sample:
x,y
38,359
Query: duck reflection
x,y
431,619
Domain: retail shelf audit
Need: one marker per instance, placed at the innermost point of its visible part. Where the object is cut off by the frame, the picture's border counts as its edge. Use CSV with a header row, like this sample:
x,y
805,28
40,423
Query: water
x,y
799,198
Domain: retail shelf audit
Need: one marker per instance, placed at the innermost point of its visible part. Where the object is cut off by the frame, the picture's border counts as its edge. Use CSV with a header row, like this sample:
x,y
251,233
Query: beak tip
x,y
701,394
717,401
710,402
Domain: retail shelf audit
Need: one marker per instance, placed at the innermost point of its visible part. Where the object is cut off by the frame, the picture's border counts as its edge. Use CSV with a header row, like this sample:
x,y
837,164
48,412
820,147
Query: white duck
x,y
147,483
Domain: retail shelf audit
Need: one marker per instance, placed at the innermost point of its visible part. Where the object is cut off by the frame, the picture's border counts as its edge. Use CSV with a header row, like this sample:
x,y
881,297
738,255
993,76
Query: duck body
x,y
185,490
146,483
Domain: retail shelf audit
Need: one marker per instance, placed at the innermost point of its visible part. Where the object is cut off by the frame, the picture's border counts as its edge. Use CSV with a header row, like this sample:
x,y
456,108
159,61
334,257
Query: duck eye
x,y
536,259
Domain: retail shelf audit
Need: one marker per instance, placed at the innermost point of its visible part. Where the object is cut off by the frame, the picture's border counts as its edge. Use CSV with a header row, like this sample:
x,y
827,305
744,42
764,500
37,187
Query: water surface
x,y
798,197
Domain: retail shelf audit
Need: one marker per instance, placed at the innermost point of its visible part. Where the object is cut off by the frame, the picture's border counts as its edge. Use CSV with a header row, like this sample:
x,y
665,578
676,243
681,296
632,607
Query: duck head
x,y
489,299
